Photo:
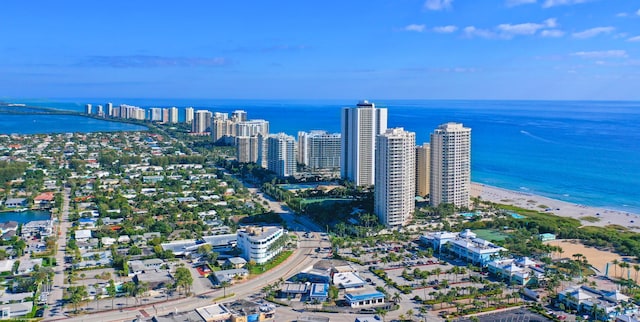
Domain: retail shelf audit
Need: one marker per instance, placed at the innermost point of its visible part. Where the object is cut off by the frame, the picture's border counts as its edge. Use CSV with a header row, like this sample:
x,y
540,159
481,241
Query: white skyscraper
x,y
188,115
450,165
360,126
394,192
319,149
87,109
252,127
155,114
109,109
100,111
201,121
247,148
281,157
239,116
173,115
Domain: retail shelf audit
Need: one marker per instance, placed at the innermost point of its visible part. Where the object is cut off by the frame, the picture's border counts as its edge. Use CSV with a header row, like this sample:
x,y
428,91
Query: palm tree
x,y
636,268
111,290
622,266
97,296
615,263
396,297
224,285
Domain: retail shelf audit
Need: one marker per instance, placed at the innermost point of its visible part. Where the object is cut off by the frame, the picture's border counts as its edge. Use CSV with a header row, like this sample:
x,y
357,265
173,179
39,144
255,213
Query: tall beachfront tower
x,y
450,165
360,126
188,115
423,164
319,150
201,121
87,109
173,115
395,189
281,155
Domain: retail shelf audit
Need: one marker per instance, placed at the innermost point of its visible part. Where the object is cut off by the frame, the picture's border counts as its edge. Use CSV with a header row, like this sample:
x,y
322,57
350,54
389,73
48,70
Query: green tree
x,y
333,292
183,279
224,285
76,295
112,291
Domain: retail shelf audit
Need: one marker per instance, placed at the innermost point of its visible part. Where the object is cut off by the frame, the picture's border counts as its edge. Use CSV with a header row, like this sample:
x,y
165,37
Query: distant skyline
x,y
393,49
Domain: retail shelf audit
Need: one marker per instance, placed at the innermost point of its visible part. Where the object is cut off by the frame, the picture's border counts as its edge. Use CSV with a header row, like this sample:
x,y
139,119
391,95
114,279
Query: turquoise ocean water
x,y
585,152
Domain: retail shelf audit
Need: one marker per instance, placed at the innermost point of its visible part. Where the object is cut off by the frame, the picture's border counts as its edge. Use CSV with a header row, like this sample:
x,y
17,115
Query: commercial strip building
x,y
607,305
521,271
364,298
465,245
237,311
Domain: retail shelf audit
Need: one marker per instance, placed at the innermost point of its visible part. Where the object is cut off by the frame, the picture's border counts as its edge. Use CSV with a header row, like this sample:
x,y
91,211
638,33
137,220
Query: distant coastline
x,y
581,152
50,120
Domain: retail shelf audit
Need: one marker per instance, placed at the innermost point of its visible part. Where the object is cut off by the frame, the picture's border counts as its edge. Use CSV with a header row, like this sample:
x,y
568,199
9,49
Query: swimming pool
x,y
516,216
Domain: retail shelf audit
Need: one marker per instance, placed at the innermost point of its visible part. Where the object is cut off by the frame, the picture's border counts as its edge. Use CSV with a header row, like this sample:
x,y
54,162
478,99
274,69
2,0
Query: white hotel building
x,y
256,242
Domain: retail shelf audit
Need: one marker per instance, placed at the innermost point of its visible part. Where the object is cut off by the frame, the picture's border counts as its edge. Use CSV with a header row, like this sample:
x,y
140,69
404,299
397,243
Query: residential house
x,y
15,202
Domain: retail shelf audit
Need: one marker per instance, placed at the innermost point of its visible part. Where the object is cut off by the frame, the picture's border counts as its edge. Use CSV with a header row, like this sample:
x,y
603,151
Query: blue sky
x,y
392,49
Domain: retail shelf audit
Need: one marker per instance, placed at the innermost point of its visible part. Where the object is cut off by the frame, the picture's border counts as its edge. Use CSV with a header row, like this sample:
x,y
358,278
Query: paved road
x,y
55,297
302,257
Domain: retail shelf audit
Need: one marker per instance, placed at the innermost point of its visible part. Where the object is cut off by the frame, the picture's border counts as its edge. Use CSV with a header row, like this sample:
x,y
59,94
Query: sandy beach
x,y
557,207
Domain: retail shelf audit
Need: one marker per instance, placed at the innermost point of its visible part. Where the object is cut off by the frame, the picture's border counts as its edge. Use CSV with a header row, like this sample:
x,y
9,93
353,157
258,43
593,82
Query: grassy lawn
x,y
591,219
259,269
325,201
490,234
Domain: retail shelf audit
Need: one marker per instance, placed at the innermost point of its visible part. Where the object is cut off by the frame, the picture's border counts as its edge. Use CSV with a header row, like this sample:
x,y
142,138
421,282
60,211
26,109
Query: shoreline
x,y
557,207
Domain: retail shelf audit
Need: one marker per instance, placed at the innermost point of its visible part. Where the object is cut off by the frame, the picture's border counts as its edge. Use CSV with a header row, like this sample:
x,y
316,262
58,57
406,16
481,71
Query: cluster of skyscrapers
x,y
366,152
123,111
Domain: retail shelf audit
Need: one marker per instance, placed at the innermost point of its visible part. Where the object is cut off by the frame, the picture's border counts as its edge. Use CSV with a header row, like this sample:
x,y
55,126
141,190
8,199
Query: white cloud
x,y
634,39
513,3
529,28
551,23
593,32
622,14
601,54
553,3
414,27
552,33
438,4
638,12
445,29
471,31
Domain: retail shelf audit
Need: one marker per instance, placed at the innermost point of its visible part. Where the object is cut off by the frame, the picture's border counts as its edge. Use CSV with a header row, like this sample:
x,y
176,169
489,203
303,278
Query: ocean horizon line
x,y
351,100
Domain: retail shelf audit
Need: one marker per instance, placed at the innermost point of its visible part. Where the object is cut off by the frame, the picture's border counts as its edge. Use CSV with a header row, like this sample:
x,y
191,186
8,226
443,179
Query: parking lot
x,y
516,315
